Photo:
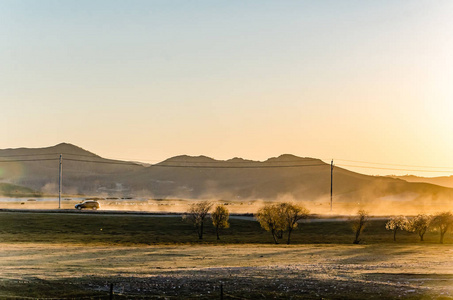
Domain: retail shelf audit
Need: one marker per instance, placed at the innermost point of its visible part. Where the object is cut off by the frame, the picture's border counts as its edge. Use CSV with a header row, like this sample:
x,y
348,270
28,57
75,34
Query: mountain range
x,y
188,177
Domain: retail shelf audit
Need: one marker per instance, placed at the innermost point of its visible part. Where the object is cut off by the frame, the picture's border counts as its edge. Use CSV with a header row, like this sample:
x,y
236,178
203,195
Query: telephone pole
x,y
60,179
331,184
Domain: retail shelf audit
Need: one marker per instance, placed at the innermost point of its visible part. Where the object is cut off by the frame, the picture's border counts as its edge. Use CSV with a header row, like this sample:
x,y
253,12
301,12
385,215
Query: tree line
x,y
282,218
421,223
199,211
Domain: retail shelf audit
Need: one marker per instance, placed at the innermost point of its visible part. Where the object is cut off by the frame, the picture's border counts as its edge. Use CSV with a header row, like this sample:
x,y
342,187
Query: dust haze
x,y
381,198
403,204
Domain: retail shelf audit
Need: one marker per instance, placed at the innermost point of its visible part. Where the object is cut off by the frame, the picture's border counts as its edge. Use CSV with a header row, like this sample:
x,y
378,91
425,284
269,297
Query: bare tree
x,y
395,224
442,222
220,217
358,224
271,219
197,214
292,214
420,224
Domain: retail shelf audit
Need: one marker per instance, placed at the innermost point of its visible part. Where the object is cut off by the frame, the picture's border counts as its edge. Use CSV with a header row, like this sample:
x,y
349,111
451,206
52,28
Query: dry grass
x,y
68,256
98,229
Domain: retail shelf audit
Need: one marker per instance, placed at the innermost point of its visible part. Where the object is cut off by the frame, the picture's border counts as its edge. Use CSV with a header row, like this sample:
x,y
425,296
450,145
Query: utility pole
x,y
60,179
331,184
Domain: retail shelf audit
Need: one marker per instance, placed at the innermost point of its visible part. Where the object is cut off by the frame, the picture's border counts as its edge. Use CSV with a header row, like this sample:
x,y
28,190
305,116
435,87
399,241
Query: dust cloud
x,y
385,206
383,199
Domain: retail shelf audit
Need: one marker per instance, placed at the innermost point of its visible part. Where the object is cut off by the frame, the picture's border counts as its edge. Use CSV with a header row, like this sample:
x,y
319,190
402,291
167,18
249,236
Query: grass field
x,y
79,255
81,228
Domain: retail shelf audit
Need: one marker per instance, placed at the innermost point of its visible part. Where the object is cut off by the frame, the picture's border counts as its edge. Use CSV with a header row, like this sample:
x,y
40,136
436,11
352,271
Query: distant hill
x,y
38,168
64,148
285,177
446,181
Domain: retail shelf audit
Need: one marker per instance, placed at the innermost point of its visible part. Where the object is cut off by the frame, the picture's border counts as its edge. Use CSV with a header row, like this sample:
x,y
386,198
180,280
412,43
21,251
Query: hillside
x,y
12,190
38,168
446,181
285,177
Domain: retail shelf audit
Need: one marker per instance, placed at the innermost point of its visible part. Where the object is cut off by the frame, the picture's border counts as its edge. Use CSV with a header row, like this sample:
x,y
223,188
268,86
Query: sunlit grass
x,y
75,255
149,230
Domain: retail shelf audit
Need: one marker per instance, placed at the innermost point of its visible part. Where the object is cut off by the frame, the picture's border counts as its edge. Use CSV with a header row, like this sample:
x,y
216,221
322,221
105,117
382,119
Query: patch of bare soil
x,y
292,282
244,271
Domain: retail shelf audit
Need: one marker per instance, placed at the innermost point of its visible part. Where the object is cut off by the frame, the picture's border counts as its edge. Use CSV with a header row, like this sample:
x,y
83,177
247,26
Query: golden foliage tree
x,y
281,217
395,224
420,225
442,223
292,214
271,220
220,217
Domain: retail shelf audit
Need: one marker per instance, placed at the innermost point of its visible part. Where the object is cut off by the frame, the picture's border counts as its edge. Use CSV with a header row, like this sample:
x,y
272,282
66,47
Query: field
x,y
79,255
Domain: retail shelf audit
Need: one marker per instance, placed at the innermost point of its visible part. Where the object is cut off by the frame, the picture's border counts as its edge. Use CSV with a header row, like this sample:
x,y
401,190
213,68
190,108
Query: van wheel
x,y
79,208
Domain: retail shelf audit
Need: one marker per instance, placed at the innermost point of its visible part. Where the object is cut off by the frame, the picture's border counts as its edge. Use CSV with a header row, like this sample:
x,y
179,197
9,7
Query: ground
x,y
246,271
82,261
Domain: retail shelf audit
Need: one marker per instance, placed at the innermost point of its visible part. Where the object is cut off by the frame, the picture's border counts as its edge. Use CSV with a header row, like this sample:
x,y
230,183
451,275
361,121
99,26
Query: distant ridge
x,y
291,158
200,177
446,181
65,148
188,159
283,159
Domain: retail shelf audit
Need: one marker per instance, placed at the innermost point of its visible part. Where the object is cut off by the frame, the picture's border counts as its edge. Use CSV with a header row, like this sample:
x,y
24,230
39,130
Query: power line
x,y
393,169
104,162
227,164
166,166
38,154
194,166
248,167
240,167
374,163
174,161
20,160
221,161
44,154
222,167
83,155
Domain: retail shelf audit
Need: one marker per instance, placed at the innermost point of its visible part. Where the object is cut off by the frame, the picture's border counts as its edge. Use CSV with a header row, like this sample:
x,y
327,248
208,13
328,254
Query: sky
x,y
362,81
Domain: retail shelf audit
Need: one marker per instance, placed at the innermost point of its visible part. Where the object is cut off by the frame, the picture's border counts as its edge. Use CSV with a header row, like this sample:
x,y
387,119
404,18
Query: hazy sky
x,y
147,80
